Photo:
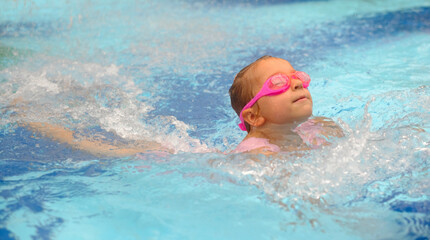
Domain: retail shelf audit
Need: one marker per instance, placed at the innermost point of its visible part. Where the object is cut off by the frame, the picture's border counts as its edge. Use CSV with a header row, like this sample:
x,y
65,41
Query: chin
x,y
307,113
304,117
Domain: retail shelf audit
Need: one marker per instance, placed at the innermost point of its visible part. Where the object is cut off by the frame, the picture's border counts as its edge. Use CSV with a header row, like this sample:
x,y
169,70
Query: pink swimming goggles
x,y
275,85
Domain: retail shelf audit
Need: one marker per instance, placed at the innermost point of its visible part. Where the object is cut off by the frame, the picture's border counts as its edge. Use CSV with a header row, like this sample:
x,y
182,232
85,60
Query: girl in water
x,y
274,107
271,100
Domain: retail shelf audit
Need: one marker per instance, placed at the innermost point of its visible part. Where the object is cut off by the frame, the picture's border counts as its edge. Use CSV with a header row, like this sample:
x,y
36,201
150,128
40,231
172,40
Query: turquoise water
x,y
160,70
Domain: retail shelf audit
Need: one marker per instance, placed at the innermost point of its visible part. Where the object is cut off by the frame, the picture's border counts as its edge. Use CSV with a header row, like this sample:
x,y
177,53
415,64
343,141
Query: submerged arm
x,y
92,146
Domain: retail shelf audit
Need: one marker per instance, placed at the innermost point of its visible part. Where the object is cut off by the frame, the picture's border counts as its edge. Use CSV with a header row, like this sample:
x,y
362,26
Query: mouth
x,y
301,98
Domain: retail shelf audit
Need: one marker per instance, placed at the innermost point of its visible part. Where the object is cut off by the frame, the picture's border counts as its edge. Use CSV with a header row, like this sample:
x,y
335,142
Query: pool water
x,y
161,70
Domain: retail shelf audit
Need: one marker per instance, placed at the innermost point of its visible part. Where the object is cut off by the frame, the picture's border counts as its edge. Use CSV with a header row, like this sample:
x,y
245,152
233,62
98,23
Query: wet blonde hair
x,y
241,91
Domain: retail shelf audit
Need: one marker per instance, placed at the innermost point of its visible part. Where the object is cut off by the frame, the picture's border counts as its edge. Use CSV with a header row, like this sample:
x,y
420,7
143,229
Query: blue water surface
x,y
126,71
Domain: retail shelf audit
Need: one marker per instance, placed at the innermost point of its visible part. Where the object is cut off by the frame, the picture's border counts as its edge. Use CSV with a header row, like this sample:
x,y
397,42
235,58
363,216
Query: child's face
x,y
293,105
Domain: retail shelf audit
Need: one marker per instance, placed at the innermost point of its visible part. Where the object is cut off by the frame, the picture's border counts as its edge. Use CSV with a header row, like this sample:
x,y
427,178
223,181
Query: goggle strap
x,y
242,126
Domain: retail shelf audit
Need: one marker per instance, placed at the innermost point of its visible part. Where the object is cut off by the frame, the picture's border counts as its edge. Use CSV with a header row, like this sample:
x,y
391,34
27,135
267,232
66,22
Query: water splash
x,y
82,95
371,166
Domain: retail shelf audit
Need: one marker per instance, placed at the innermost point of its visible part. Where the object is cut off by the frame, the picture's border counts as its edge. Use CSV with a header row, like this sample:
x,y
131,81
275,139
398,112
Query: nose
x,y
296,84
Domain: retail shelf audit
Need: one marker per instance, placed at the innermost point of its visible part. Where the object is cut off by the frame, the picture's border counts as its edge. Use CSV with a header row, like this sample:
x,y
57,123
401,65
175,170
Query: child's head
x,y
292,104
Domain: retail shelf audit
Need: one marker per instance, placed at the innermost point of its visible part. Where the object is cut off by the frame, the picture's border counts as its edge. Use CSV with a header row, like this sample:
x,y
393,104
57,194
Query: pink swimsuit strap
x,y
254,143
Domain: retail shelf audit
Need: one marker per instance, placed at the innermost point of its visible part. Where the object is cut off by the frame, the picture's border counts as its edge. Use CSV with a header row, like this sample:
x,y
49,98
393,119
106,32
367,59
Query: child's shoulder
x,y
256,144
318,131
314,132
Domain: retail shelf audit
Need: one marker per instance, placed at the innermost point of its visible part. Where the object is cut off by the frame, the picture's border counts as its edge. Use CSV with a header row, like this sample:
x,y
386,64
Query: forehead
x,y
268,67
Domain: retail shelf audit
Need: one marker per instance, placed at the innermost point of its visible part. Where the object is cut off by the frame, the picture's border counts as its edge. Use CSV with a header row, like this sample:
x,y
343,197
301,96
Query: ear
x,y
252,118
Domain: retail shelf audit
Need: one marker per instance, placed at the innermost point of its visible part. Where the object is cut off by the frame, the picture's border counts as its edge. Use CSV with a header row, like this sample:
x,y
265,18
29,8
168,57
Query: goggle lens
x,y
304,77
281,81
277,82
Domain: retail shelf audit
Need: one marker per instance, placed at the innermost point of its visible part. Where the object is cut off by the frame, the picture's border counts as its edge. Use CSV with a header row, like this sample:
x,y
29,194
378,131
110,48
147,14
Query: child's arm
x,y
95,147
92,146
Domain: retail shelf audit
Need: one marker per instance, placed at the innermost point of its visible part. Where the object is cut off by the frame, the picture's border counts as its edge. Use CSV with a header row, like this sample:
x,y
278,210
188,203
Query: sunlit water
x,y
157,70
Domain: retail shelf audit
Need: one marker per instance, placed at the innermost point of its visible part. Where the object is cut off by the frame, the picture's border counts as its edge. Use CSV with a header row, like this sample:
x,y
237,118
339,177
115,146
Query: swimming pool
x,y
161,70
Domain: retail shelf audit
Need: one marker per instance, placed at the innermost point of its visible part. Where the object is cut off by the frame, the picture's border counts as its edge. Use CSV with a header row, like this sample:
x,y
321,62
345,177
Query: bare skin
x,y
275,117
93,146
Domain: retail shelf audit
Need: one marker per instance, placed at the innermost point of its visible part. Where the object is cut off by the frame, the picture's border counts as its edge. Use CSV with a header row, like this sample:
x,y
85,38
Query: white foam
x,y
353,167
80,95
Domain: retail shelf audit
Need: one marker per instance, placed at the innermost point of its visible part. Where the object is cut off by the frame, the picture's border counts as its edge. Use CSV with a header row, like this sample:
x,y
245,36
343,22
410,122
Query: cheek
x,y
275,106
266,106
309,94
312,102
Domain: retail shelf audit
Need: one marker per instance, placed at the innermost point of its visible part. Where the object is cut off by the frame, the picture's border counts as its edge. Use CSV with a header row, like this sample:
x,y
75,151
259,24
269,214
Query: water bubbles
x,y
366,163
83,95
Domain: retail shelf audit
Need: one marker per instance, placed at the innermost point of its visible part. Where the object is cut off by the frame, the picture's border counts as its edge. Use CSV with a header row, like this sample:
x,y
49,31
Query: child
x,y
271,99
274,104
